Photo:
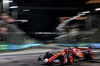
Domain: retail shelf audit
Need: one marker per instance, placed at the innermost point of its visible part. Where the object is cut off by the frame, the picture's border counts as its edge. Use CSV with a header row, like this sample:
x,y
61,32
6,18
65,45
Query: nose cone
x,y
46,60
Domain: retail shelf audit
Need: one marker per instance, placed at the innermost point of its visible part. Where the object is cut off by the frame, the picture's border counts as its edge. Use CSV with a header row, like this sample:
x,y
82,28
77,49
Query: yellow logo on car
x,y
80,55
55,55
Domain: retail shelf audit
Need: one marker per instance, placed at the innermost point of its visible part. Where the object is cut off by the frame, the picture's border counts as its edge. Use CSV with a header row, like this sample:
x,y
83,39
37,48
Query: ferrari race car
x,y
67,56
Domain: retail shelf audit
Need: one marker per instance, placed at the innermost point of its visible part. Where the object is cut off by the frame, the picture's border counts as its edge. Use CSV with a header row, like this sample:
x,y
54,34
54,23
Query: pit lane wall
x,y
8,47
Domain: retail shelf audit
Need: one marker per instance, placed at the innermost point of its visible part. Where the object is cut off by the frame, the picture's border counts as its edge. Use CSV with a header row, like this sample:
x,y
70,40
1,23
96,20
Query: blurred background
x,y
29,28
52,21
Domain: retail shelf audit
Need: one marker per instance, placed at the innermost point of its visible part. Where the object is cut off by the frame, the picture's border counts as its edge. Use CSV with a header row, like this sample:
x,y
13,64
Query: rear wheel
x,y
89,55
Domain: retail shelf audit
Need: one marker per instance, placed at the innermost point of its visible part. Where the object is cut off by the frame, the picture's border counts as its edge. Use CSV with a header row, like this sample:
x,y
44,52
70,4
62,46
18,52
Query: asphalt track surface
x,y
29,58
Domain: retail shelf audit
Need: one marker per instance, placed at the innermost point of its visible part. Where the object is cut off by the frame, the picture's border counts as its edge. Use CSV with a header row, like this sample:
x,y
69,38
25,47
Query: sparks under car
x,y
68,56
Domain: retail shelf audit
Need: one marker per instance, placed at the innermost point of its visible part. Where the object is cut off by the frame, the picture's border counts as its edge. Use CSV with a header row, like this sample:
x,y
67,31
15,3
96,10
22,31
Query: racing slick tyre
x,y
46,55
89,55
40,58
68,59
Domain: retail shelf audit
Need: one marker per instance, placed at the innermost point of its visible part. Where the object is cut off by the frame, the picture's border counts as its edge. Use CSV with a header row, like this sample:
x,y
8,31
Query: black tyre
x,y
46,55
40,58
89,55
68,59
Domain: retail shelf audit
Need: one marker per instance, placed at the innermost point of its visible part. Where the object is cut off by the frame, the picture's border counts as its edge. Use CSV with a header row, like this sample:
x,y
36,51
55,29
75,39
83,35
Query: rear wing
x,y
84,48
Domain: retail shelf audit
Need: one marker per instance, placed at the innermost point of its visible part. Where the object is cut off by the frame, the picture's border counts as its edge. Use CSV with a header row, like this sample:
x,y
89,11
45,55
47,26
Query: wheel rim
x,y
66,60
71,59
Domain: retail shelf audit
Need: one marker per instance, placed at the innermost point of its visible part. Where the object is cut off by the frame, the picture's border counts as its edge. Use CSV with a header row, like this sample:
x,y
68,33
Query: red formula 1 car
x,y
68,56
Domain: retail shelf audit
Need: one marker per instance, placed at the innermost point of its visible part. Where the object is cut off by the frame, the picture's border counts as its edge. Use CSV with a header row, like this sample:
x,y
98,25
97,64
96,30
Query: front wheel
x,y
40,58
68,59
46,55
